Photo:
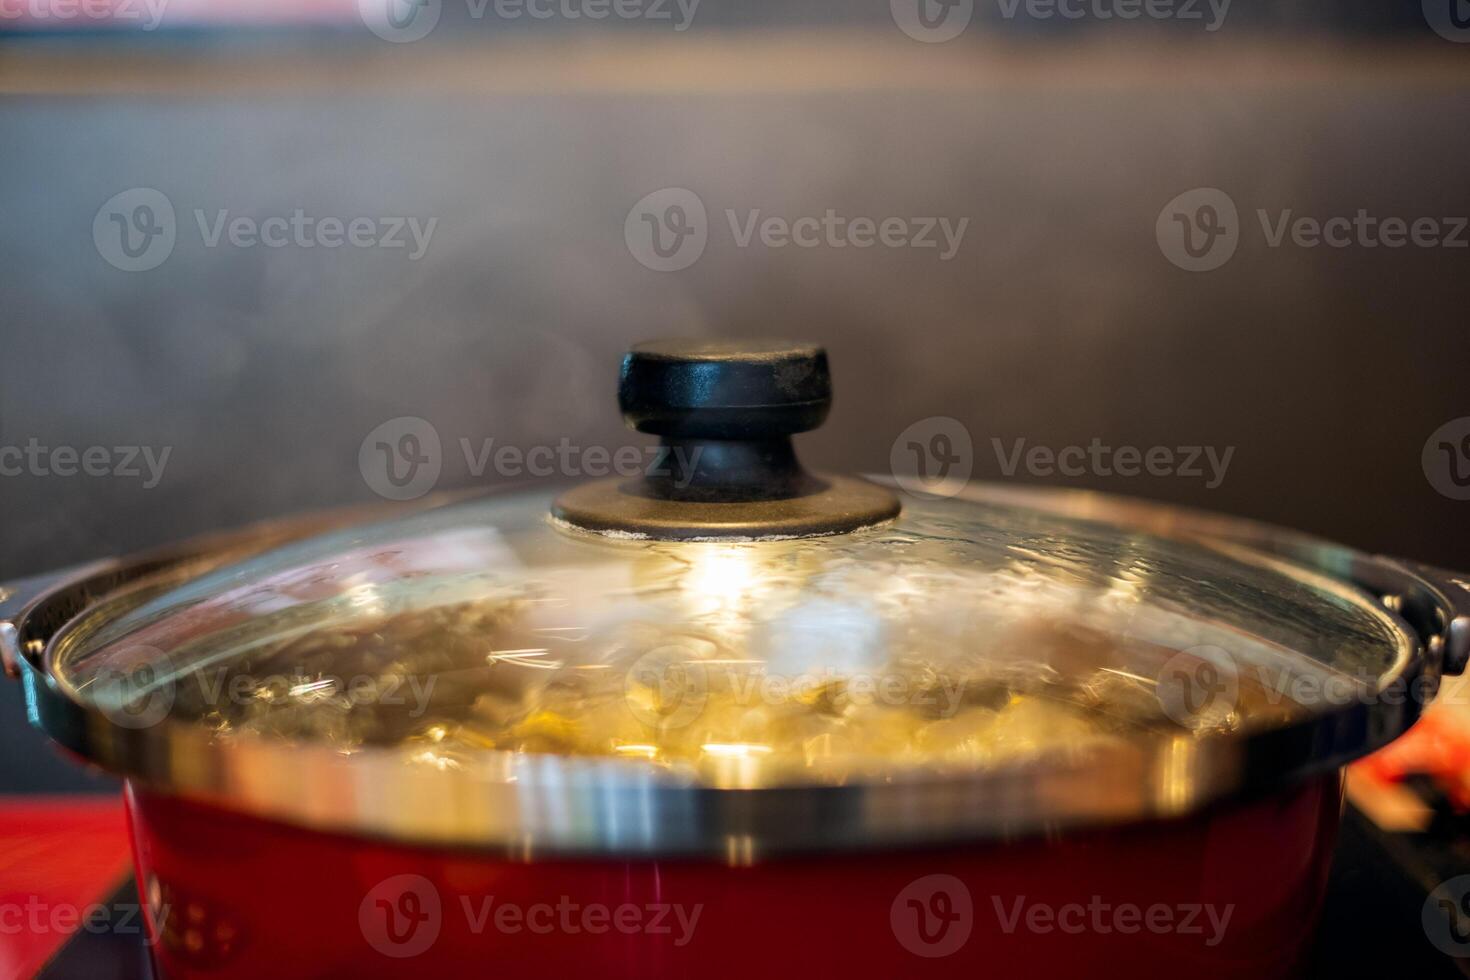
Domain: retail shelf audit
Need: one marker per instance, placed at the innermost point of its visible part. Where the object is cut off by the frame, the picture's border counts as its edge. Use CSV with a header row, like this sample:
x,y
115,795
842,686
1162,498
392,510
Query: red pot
x,y
1239,885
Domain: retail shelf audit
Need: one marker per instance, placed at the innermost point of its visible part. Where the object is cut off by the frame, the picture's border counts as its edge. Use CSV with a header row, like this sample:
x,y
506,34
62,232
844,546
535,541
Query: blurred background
x,y
237,238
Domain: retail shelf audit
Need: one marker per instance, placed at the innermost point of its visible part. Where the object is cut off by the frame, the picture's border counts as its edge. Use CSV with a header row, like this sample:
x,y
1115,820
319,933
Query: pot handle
x,y
19,599
1435,601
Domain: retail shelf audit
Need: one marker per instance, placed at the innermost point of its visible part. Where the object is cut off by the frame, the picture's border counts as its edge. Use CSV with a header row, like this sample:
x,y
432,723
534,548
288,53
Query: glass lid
x,y
963,634
731,656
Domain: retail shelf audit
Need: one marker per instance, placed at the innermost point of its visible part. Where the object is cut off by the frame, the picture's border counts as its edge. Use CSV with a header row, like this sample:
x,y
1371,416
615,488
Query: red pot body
x,y
1228,893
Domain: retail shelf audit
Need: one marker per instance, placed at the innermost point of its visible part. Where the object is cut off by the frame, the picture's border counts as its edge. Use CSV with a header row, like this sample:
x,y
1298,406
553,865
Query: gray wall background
x,y
1059,320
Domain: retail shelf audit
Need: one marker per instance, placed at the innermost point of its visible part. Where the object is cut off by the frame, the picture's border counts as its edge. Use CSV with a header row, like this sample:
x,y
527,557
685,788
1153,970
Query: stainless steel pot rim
x,y
531,806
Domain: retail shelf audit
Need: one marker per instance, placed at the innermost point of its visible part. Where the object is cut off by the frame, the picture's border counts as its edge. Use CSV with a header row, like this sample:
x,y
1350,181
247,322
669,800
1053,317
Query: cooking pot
x,y
730,716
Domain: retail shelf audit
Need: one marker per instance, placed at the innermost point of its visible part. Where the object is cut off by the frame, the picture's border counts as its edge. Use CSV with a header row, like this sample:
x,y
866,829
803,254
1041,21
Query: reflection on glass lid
x,y
964,634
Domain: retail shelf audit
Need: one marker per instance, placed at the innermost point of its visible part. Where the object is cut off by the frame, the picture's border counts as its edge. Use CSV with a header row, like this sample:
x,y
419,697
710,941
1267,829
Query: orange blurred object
x,y
1438,746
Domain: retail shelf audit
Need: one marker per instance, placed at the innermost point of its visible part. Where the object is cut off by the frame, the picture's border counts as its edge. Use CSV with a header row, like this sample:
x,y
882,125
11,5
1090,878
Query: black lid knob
x,y
725,412
706,389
